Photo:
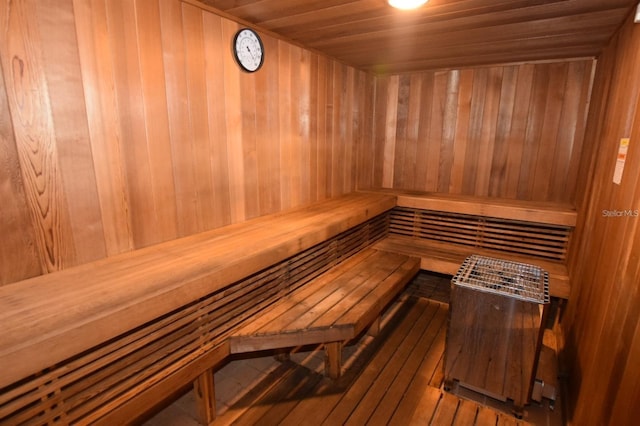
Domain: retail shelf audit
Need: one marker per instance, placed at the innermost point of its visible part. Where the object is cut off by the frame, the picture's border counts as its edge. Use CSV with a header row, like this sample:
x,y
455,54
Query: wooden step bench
x,y
332,309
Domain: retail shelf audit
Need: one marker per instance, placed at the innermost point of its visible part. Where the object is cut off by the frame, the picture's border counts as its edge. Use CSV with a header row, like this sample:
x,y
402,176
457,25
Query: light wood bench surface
x,y
108,339
332,309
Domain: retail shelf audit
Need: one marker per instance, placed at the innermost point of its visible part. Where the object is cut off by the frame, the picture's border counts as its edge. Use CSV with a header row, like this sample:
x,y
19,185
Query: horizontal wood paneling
x,y
505,131
442,34
132,125
602,321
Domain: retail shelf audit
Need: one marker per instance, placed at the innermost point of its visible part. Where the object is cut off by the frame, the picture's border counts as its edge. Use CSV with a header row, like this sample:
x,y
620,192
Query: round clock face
x,y
248,50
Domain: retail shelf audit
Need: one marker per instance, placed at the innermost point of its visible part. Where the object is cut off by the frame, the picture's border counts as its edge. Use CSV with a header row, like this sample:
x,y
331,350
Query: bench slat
x,y
349,290
520,237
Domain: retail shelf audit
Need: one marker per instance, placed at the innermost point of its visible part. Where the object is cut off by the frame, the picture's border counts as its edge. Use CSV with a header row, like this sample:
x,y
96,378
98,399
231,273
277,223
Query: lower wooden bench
x,y
332,309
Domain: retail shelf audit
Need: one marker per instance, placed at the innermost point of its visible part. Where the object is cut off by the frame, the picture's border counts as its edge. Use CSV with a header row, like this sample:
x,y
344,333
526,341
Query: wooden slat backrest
x,y
545,241
89,386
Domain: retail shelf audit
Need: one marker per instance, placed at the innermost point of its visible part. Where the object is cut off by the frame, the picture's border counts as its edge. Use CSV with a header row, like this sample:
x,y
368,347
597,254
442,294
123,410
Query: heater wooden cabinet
x,y
494,331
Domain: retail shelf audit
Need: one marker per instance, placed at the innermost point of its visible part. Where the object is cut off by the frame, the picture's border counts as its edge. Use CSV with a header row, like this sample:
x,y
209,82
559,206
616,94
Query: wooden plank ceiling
x,y
370,35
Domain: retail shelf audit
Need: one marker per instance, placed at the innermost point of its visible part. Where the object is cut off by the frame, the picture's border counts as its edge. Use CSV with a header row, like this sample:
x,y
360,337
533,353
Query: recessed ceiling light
x,y
407,4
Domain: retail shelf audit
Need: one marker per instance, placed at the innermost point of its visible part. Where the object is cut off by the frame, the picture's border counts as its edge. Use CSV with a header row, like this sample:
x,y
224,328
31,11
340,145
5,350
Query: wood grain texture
x,y
371,35
602,321
24,69
104,125
64,82
18,256
131,289
335,306
511,132
133,125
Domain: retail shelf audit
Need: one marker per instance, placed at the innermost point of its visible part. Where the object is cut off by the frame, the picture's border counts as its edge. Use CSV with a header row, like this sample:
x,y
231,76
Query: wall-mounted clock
x,y
248,50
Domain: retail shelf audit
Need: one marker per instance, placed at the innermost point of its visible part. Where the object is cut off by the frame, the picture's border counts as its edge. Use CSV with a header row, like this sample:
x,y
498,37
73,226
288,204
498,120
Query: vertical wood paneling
x,y
104,124
121,21
18,257
267,130
156,117
435,131
190,216
62,67
173,137
497,181
305,163
505,131
30,107
390,132
461,133
293,162
450,118
603,316
211,145
322,125
337,140
518,131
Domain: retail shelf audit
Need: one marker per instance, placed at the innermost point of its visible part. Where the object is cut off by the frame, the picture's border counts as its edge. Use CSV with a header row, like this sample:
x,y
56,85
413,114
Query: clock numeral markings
x,y
249,50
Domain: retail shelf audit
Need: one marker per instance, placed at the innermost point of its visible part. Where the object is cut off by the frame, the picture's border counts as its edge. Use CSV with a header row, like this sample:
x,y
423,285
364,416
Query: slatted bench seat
x,y
332,309
104,342
444,229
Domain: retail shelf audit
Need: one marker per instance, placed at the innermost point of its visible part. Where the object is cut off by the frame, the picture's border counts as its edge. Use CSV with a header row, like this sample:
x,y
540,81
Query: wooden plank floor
x,y
392,379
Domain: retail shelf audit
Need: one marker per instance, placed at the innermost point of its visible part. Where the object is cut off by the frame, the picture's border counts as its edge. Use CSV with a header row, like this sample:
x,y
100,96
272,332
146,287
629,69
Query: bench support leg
x,y
205,395
333,359
374,328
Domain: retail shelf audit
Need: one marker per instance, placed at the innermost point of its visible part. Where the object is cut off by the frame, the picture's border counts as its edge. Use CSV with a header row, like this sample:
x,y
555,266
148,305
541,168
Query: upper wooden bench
x,y
332,309
444,229
101,342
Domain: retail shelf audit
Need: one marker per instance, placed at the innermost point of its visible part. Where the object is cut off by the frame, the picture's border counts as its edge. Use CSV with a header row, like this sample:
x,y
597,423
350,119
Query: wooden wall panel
x,y
131,124
24,68
602,321
504,131
104,125
18,256
64,83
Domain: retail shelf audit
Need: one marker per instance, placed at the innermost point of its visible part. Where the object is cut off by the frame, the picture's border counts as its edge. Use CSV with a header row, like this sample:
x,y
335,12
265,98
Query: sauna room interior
x,y
191,188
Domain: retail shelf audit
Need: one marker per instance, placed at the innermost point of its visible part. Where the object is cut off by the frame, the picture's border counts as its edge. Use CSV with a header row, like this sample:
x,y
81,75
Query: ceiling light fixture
x,y
407,4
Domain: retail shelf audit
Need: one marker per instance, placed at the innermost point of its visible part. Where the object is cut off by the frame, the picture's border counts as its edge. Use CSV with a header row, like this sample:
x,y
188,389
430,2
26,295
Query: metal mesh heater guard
x,y
518,280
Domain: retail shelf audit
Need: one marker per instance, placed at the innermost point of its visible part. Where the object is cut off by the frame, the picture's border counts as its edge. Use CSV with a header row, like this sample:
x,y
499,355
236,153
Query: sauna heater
x,y
495,325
